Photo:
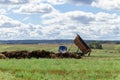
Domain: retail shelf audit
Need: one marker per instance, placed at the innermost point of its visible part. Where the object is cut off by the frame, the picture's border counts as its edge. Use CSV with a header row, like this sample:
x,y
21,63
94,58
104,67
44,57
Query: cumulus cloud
x,y
80,16
57,25
80,1
69,17
56,2
13,29
62,26
89,25
107,4
2,11
35,8
13,1
104,4
8,22
59,2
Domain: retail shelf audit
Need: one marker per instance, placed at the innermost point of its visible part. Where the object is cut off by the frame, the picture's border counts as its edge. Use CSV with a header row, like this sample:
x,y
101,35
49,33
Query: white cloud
x,y
8,22
56,2
12,29
59,2
56,25
63,26
35,8
88,2
80,16
37,1
107,4
13,1
88,25
104,4
2,11
69,17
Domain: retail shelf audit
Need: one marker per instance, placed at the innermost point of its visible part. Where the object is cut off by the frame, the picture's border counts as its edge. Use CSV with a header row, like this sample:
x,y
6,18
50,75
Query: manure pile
x,y
37,54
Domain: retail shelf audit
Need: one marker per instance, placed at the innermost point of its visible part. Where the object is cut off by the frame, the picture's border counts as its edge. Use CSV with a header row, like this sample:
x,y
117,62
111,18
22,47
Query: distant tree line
x,y
95,45
103,42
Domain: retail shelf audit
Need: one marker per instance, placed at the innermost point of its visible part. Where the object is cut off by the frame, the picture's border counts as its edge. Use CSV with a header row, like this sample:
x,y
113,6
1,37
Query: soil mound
x,y
38,54
2,56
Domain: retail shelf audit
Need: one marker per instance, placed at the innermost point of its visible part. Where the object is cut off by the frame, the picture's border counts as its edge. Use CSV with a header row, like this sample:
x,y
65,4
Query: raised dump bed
x,y
82,45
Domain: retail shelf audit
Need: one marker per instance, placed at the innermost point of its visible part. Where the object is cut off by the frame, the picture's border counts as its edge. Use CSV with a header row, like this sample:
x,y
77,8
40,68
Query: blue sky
x,y
59,19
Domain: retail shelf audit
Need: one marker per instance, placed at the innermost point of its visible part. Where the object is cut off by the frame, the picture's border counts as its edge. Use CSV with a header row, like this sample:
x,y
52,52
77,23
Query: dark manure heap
x,y
37,54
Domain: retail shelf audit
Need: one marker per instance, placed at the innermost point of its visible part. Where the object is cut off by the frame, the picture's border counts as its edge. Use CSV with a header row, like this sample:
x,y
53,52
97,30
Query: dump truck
x,y
79,42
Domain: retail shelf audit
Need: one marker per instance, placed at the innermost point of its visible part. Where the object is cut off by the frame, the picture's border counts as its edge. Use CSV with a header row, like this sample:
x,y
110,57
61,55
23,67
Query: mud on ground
x,y
37,54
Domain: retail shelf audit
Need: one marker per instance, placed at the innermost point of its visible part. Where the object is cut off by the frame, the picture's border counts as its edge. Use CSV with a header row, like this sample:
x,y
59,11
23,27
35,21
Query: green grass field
x,y
101,65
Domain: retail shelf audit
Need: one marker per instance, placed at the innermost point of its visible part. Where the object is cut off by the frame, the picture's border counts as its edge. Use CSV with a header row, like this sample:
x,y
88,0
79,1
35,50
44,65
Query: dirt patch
x,y
38,54
2,56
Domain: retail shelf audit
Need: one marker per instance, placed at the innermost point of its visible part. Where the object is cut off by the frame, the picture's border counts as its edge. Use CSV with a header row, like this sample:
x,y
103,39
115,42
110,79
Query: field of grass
x,y
30,47
101,65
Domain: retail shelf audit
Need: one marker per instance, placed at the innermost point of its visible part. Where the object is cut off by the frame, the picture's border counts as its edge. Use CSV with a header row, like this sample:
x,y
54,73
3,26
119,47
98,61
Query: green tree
x,y
95,45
